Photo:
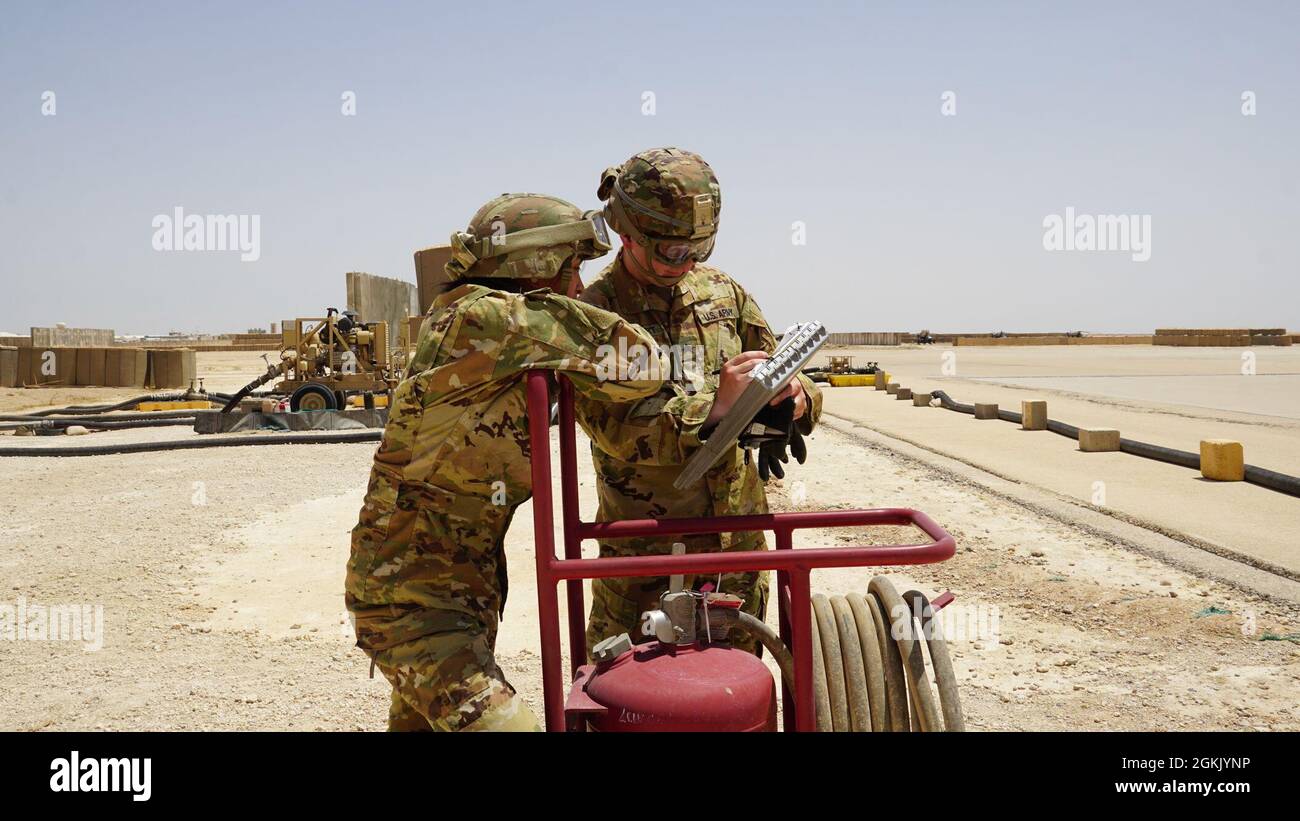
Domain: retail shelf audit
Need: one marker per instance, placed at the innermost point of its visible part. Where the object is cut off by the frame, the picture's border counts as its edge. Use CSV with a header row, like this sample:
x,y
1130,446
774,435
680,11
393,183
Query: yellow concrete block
x,y
1033,414
1222,460
381,401
986,410
903,393
1098,440
174,405
921,400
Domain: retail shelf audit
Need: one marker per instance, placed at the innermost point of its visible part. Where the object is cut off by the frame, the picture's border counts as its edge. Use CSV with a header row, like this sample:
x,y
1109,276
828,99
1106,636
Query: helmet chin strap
x,y
618,220
568,276
646,273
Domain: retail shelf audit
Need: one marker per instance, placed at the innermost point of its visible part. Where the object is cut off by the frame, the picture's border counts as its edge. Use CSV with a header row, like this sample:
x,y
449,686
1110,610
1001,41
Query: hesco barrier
x,y
1013,341
867,338
1222,337
71,337
8,367
114,367
256,339
1220,331
241,348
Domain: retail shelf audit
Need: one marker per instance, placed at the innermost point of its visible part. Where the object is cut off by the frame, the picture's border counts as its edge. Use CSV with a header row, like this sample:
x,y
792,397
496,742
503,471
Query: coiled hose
x,y
1271,479
869,671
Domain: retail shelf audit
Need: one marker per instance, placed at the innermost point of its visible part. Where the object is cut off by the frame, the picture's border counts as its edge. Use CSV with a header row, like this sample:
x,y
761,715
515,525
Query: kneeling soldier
x,y
426,582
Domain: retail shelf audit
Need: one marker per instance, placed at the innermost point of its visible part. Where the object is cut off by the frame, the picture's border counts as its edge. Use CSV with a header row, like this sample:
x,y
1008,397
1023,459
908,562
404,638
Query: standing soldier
x,y
426,581
664,204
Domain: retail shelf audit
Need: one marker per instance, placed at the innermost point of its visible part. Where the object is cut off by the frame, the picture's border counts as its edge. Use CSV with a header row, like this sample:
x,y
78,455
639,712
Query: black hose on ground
x,y
98,424
1271,479
116,417
129,424
1182,458
237,397
1068,431
82,410
950,403
197,442
272,371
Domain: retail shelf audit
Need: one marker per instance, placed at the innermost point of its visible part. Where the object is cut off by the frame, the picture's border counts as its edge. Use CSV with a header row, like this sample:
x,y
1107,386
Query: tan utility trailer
x,y
324,360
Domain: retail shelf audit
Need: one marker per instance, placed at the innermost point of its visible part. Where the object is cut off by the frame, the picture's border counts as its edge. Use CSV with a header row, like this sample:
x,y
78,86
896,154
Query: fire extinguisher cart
x,y
793,566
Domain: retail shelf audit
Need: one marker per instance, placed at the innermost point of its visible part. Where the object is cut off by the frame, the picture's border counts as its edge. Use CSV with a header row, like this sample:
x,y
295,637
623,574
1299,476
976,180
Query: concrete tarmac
x,y
1099,386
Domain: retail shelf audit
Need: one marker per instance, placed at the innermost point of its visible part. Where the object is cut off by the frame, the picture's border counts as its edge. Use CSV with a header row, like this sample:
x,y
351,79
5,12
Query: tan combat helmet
x,y
667,200
526,236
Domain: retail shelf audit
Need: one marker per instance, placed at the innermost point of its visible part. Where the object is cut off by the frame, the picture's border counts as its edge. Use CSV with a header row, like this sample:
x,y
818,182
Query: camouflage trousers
x,y
450,683
424,585
617,604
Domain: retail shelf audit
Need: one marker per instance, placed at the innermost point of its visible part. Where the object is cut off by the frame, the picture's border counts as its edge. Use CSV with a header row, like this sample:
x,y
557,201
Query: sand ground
x,y
220,575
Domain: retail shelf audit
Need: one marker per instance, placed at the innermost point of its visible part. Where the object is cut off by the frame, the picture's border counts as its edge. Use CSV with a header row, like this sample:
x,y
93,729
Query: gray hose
x,y
872,661
925,716
944,676
864,678
764,635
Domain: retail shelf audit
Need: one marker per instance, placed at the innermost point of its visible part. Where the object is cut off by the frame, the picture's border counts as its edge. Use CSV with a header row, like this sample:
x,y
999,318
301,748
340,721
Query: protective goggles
x,y
590,234
676,250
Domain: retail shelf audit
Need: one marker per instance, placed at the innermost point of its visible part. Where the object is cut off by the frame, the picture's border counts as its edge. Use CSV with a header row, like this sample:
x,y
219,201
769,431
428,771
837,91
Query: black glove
x,y
771,432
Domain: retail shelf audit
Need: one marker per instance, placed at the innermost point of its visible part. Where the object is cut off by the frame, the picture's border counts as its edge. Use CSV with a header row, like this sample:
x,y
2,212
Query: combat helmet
x,y
525,236
667,200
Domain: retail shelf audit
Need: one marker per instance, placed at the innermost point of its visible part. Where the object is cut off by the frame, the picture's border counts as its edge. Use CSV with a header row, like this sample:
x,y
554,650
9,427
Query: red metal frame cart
x,y
793,566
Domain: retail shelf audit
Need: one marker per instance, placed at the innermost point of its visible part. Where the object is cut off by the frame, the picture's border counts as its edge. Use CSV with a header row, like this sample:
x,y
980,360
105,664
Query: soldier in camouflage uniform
x,y
426,581
664,203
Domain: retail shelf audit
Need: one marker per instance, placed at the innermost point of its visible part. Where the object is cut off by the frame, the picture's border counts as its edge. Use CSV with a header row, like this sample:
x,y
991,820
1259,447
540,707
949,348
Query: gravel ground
x,y
220,576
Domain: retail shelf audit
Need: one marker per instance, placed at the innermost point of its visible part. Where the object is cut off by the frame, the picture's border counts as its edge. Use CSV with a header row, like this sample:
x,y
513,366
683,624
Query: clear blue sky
x,y
828,113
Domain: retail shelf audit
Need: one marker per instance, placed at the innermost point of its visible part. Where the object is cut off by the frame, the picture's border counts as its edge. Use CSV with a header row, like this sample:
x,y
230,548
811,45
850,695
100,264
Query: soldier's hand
x,y
793,391
732,381
773,431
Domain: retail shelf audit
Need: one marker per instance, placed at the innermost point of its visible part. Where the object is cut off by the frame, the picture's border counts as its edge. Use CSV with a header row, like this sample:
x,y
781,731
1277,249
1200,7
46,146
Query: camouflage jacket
x,y
454,460
639,446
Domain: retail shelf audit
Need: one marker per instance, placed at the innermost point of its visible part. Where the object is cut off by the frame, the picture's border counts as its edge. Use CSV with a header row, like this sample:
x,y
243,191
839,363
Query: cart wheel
x,y
312,397
341,400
